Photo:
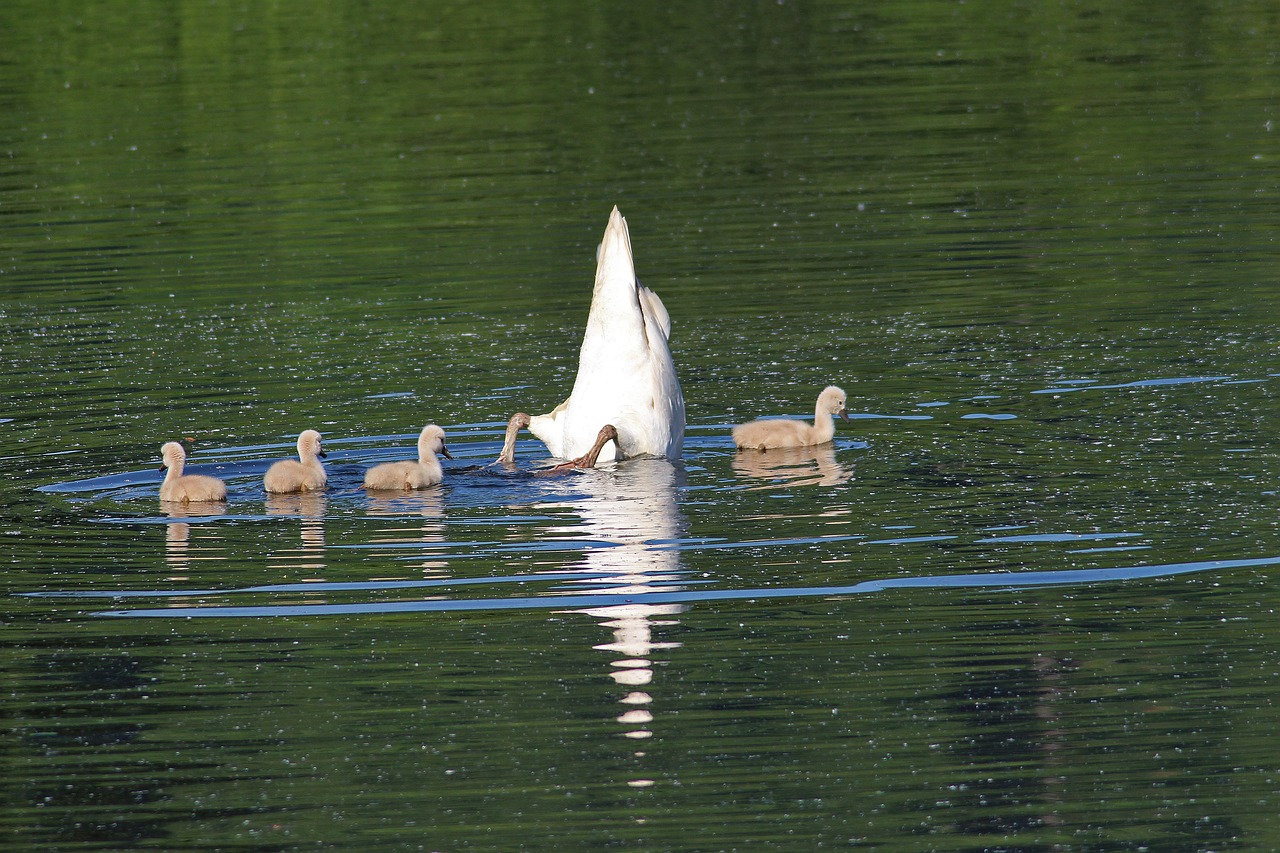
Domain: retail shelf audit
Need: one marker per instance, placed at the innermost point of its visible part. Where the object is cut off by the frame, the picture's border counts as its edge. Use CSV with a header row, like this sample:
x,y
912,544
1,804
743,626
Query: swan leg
x,y
607,434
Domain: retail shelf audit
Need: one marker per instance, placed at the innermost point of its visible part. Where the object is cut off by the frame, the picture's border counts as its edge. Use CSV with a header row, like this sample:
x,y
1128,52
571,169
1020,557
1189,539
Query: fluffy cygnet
x,y
402,476
304,474
518,421
783,432
186,488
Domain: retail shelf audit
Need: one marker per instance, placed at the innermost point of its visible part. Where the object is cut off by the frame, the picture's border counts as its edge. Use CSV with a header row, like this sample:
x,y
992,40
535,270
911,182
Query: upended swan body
x,y
783,432
304,474
404,476
626,376
186,488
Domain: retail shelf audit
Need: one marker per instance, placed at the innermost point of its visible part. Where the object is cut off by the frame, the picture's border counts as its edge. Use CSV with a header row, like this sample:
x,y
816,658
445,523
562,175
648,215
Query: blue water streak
x,y
1140,383
999,580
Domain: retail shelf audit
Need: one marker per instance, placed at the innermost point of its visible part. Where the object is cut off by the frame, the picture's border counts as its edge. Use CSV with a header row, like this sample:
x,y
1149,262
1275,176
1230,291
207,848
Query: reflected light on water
x,y
631,508
1058,221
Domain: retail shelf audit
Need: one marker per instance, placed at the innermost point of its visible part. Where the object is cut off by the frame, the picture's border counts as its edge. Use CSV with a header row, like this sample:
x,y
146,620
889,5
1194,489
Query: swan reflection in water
x,y
792,466
632,506
309,508
178,549
632,626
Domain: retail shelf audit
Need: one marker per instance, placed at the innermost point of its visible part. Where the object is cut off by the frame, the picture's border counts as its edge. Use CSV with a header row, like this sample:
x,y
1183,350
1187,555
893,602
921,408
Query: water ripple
x,y
1065,388
1007,581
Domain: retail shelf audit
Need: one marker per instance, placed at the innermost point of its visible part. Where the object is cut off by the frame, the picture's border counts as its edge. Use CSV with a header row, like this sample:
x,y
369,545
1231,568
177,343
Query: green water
x,y
1035,243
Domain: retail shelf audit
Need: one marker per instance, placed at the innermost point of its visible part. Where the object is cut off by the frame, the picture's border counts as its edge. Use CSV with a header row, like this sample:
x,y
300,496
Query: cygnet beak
x,y
844,414
445,451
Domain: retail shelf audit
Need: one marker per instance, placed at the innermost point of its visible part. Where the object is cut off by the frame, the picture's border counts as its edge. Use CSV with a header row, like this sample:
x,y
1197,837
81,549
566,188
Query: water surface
x,y
1022,602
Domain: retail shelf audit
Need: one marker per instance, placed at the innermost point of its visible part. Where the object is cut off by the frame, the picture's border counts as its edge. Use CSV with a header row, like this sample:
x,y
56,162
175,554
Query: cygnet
x,y
783,432
403,476
186,488
304,474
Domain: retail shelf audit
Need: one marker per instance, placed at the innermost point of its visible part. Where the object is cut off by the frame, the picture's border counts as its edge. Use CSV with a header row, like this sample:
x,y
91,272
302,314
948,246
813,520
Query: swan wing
x,y
654,311
664,433
549,428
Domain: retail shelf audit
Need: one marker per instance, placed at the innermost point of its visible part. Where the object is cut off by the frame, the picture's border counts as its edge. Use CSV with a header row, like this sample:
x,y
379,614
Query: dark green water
x,y
1023,603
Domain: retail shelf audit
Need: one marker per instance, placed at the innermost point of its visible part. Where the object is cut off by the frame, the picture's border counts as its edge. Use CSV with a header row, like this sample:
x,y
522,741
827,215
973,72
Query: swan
x,y
186,488
783,432
304,474
402,476
625,373
518,422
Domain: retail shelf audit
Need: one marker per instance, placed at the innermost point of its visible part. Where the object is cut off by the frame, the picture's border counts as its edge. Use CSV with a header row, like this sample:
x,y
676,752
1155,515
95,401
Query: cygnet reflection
x,y
179,552
309,509
399,512
792,466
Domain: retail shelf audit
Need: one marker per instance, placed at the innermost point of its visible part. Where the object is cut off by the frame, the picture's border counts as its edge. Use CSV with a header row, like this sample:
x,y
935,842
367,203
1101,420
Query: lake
x,y
1022,601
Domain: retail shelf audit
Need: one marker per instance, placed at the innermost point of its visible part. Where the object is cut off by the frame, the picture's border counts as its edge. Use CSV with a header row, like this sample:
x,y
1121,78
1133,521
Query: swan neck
x,y
508,453
824,425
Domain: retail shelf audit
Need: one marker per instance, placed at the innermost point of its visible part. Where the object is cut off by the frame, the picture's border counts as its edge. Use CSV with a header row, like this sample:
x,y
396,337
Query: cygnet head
x,y
309,445
432,441
174,455
832,400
